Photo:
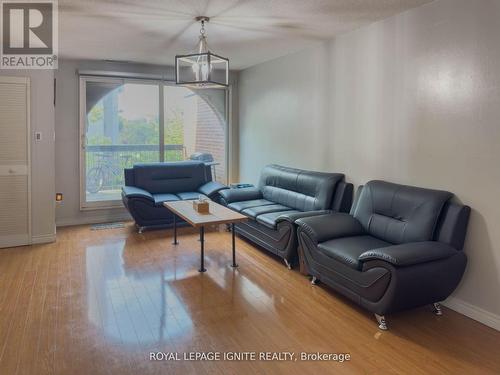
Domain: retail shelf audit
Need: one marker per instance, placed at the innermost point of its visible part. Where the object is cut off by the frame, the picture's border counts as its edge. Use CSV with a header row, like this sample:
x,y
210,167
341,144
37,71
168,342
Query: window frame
x,y
161,83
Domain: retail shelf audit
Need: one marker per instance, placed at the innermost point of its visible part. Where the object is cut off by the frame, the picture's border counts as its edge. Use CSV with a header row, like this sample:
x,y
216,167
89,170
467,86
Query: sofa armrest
x,y
135,192
409,254
211,188
238,195
292,217
326,227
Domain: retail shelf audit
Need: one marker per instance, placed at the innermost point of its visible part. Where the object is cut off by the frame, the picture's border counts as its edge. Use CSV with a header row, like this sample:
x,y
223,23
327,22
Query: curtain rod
x,y
105,73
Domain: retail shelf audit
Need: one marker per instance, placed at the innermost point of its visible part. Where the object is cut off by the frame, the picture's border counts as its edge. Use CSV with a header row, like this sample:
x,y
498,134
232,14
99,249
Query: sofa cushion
x,y
160,198
190,195
399,213
253,212
298,189
240,206
170,177
348,249
269,219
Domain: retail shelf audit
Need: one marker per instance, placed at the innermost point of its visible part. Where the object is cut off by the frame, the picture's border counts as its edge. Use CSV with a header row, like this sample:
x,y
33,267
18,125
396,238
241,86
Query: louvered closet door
x,y
15,223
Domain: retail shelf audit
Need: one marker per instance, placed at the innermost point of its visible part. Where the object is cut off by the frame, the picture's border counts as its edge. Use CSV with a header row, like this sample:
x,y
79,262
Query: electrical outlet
x,y
38,136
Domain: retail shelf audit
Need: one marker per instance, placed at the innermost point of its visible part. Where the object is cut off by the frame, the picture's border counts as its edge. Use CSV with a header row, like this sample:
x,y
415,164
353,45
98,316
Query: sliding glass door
x,y
125,121
197,120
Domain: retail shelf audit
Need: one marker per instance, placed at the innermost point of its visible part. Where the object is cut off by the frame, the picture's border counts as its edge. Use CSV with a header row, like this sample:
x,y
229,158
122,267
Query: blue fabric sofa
x,y
147,186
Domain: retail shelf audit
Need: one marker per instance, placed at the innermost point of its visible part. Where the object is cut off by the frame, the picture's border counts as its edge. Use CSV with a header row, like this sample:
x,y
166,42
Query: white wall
x,y
67,137
42,152
413,99
283,113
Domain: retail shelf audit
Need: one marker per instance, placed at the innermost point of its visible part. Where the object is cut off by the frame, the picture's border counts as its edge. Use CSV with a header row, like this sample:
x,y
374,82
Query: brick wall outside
x,y
210,136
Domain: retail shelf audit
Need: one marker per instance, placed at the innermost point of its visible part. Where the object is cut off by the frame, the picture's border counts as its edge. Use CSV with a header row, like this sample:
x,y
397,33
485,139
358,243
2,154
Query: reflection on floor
x,y
98,302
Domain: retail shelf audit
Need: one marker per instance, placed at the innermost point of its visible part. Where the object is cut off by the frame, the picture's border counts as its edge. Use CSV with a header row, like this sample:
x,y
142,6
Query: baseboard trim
x,y
14,240
45,238
473,312
66,222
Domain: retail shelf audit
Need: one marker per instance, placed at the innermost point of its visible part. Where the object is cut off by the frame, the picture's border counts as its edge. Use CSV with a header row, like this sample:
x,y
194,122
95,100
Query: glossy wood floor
x,y
98,302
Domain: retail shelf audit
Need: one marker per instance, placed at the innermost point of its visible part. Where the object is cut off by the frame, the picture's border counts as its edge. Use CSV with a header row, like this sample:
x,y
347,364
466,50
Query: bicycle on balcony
x,y
106,168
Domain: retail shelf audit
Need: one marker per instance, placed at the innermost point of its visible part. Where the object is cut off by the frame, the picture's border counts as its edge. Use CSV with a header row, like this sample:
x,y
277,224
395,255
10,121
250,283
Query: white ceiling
x,y
246,31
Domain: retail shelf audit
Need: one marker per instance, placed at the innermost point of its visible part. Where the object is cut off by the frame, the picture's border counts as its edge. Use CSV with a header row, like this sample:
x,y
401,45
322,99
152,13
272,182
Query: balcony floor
x,y
105,195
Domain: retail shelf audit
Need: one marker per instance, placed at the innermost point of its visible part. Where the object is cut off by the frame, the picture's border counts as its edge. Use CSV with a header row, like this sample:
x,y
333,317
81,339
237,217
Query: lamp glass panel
x,y
219,69
202,68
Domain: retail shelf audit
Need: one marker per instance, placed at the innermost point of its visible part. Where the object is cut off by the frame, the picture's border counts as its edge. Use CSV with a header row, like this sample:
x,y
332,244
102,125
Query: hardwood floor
x,y
98,302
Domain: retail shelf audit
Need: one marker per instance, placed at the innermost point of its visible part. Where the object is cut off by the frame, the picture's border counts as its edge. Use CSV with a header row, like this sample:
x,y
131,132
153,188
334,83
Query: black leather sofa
x,y
399,248
282,196
147,186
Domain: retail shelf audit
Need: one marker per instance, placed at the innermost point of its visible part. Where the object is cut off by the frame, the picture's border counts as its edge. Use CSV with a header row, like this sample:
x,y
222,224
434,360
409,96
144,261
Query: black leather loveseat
x,y
147,186
399,248
284,195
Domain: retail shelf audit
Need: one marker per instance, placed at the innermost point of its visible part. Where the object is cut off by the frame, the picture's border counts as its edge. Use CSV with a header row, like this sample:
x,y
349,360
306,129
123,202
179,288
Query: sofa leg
x,y
437,308
288,265
314,280
381,322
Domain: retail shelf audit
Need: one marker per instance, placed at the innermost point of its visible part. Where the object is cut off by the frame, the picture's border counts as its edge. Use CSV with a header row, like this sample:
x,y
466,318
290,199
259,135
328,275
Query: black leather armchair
x,y
283,196
399,248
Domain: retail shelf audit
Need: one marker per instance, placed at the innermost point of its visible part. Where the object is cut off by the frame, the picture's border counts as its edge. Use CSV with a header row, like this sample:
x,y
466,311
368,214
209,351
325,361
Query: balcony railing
x,y
105,164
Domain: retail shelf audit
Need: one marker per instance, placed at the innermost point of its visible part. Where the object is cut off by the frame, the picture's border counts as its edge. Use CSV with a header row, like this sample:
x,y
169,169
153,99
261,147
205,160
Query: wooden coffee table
x,y
218,214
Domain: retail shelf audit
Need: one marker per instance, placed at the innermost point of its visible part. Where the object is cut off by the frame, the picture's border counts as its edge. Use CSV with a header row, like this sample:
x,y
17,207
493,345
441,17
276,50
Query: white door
x,y
15,216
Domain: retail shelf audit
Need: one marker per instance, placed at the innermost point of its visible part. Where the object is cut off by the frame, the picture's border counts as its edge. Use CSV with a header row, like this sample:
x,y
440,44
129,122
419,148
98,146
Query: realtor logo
x,y
29,35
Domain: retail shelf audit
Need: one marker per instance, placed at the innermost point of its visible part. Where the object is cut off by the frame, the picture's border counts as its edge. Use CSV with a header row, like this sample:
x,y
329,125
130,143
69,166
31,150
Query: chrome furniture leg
x,y
288,265
381,322
437,309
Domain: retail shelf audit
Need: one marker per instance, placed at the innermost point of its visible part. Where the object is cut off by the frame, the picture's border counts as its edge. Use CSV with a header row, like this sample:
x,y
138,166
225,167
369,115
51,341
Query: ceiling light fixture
x,y
202,69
